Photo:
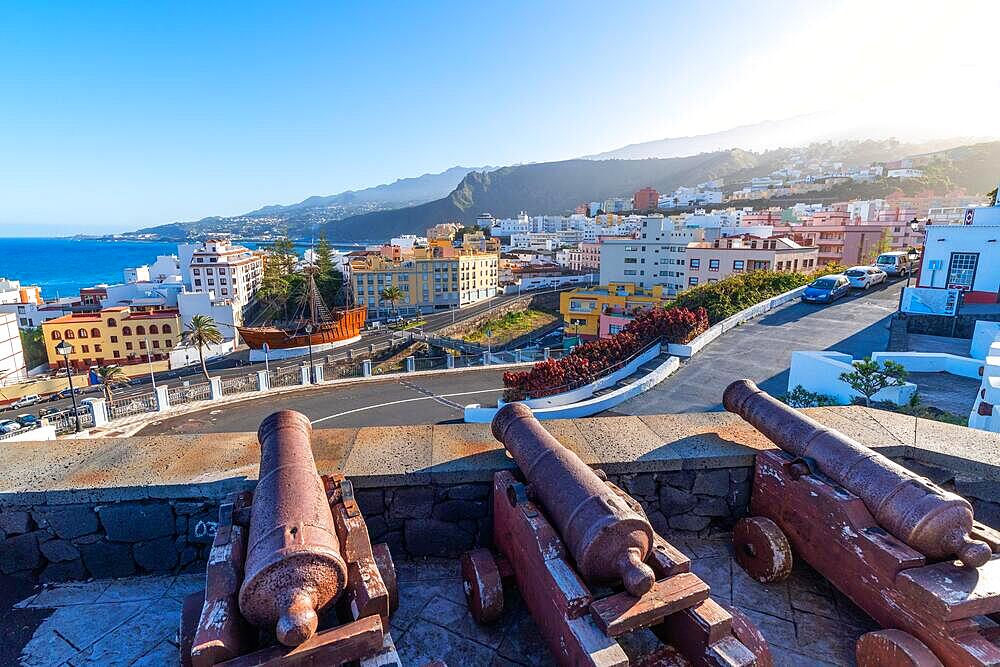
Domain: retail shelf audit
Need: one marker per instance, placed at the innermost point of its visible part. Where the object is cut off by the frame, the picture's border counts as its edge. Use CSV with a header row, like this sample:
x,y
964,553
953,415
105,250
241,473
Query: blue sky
x,y
119,115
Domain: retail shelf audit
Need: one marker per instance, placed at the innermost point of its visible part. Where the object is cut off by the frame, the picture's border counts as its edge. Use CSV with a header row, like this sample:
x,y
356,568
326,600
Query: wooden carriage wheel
x,y
483,585
893,648
762,550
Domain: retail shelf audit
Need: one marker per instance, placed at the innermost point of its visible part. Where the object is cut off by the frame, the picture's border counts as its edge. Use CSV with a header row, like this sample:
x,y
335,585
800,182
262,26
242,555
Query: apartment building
x,y
428,280
117,335
586,257
657,257
646,200
231,272
603,310
711,262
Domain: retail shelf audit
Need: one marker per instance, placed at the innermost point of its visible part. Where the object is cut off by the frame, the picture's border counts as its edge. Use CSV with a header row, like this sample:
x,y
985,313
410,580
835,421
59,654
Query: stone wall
x,y
116,539
961,326
80,541
548,302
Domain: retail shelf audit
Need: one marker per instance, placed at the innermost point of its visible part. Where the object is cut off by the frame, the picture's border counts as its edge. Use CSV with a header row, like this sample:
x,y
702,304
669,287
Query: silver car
x,y
863,277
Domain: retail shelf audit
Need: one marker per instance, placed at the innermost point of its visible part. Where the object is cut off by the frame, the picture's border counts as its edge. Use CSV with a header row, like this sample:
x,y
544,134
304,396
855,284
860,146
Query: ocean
x,y
61,266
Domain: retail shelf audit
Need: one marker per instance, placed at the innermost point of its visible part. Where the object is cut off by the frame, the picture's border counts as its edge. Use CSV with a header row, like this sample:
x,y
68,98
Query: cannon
x,y
590,567
292,576
903,549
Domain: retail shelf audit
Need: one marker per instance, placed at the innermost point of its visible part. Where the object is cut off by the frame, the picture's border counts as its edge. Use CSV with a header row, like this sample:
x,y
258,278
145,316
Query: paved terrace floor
x,y
761,350
134,621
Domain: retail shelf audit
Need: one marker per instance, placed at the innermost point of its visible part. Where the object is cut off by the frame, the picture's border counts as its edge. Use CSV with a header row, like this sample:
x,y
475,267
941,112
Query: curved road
x,y
428,399
761,350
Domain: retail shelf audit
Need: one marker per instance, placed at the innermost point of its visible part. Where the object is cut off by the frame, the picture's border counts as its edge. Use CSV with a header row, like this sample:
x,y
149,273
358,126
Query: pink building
x,y
585,258
645,200
711,262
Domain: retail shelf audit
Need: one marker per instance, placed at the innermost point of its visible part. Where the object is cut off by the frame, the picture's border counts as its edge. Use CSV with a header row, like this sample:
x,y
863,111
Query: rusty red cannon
x,y
905,550
562,528
292,575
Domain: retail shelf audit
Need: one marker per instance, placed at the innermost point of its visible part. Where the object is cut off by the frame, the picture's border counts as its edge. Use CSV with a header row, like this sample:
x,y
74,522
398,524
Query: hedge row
x,y
740,291
596,358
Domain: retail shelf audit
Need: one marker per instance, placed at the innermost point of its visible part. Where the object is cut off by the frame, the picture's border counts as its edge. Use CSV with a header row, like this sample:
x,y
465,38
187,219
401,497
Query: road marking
x,y
430,394
405,400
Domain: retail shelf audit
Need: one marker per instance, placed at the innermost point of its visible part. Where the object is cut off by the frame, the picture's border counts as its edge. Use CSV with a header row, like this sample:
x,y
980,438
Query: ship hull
x,y
346,326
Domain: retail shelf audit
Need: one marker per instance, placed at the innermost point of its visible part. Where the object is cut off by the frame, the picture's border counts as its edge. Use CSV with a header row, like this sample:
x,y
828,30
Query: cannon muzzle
x,y
607,538
935,522
293,566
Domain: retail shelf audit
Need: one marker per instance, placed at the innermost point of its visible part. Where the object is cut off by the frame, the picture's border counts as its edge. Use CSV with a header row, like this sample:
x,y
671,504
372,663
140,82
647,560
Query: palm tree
x,y
392,294
201,331
109,376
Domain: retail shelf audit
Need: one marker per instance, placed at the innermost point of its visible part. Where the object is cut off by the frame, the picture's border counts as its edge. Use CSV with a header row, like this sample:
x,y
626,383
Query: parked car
x,y
27,421
827,289
25,401
65,393
863,277
897,263
9,426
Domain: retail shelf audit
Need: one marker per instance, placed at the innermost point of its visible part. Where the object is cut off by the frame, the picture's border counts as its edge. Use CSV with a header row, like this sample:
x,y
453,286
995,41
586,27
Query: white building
x,y
965,257
904,173
12,368
657,257
165,267
232,272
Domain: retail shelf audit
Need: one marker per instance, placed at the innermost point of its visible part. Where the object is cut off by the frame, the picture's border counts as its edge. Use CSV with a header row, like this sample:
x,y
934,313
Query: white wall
x,y
11,355
982,338
819,372
942,240
188,355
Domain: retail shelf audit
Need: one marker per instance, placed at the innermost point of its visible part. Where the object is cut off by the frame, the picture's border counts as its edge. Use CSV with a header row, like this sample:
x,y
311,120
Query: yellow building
x,y
117,335
434,278
582,308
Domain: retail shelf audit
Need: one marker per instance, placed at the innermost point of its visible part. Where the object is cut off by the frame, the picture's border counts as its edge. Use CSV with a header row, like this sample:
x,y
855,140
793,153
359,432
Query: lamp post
x,y
309,334
64,349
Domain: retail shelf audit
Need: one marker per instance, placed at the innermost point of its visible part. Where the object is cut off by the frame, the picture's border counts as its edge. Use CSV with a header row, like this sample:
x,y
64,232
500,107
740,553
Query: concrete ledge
x,y
695,346
819,372
933,362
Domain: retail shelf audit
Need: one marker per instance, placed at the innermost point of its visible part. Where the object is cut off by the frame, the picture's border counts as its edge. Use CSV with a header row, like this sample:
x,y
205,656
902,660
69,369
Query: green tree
x,y
110,376
870,377
392,294
884,245
202,331
800,397
33,347
328,278
992,196
283,255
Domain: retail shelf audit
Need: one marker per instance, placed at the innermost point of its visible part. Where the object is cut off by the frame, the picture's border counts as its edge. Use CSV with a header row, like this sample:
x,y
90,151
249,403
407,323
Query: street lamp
x,y
64,349
309,333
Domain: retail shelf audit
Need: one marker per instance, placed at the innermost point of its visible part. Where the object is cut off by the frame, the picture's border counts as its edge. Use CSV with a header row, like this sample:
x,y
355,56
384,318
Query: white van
x,y
896,263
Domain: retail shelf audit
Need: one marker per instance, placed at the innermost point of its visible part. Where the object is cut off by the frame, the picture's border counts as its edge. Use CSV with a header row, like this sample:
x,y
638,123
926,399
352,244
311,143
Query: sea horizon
x,y
62,265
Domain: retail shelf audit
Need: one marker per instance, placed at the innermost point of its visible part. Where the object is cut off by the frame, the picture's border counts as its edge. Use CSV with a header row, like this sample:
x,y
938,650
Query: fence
x,y
133,405
240,384
285,377
186,394
65,422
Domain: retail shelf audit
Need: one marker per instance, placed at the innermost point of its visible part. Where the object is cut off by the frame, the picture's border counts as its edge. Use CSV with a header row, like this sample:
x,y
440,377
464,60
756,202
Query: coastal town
x,y
648,334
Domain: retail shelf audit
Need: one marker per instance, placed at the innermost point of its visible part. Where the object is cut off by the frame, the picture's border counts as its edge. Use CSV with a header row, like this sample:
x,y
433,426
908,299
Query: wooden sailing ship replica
x,y
328,326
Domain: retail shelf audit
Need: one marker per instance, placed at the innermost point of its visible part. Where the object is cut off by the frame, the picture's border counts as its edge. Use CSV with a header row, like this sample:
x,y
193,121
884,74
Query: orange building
x,y
117,335
645,200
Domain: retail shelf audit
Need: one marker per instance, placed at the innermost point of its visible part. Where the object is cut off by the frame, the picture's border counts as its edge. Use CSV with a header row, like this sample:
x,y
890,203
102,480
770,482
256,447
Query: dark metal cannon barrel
x,y
293,566
935,522
607,538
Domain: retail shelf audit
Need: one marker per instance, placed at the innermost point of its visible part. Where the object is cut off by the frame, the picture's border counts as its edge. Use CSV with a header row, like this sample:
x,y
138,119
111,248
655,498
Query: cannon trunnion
x,y
936,610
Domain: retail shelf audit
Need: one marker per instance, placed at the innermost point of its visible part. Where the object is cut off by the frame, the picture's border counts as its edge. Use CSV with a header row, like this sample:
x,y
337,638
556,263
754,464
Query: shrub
x,y
595,358
800,397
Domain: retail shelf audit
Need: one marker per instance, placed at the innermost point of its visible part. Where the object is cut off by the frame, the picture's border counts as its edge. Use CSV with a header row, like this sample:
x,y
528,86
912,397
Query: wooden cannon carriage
x,y
936,610
292,577
558,532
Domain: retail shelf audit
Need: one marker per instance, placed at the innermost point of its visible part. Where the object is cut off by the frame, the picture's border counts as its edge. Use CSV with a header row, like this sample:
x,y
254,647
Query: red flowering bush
x,y
596,358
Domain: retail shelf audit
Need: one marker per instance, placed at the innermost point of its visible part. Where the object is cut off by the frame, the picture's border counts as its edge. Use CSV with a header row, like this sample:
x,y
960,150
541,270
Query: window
x,y
629,272
169,343
114,339
81,333
142,345
95,333
69,334
128,346
197,282
117,354
196,272
140,330
56,335
167,329
97,348
153,329
127,331
713,265
738,265
695,264
85,348
962,269
693,280
156,343
630,260
112,322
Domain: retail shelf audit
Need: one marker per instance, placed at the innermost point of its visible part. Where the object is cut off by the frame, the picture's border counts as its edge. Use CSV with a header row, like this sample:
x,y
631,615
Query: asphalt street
x,y
238,362
761,350
428,399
